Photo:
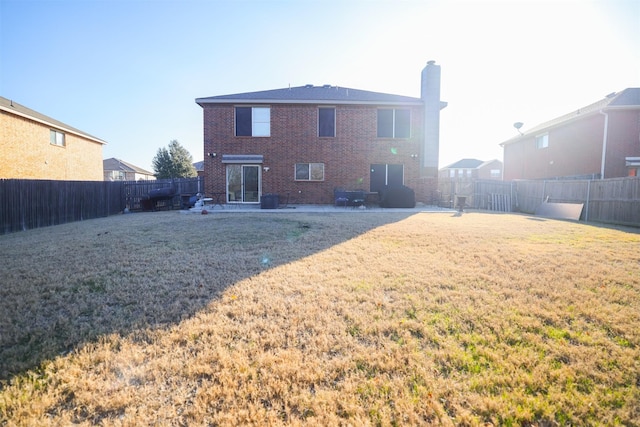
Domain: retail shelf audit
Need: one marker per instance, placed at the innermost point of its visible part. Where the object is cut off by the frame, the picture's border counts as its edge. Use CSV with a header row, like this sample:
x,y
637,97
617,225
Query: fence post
x,y
586,213
511,196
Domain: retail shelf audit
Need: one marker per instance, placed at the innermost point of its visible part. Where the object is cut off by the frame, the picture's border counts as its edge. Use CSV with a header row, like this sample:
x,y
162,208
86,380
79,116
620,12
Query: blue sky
x,y
128,71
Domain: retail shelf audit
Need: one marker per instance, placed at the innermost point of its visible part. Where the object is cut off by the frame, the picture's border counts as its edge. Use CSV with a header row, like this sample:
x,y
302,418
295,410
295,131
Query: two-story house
x,y
119,170
35,146
601,140
468,169
307,141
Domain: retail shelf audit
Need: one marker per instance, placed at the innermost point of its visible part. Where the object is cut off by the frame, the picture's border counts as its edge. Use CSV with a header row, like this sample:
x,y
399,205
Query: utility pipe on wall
x,y
604,142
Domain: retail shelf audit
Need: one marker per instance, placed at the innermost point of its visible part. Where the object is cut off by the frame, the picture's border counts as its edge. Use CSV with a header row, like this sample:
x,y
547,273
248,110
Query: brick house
x,y
35,146
199,167
119,170
307,141
472,169
601,140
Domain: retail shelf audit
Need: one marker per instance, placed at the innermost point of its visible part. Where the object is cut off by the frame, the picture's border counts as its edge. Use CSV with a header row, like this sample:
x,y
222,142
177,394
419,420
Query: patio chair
x,y
340,197
357,198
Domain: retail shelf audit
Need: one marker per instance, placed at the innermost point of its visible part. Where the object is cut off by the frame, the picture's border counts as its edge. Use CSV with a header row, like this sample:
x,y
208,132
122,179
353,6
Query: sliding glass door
x,y
243,183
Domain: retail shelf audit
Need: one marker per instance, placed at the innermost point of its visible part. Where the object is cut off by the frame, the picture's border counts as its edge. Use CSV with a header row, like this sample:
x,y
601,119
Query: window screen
x,y
402,128
385,123
243,121
326,122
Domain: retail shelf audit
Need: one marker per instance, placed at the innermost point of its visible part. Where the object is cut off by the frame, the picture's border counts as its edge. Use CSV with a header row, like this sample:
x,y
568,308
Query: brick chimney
x,y
430,94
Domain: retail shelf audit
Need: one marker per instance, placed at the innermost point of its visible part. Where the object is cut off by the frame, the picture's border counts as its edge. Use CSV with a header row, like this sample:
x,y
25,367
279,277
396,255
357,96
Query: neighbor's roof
x,y
488,162
325,94
199,165
13,107
628,99
465,164
114,164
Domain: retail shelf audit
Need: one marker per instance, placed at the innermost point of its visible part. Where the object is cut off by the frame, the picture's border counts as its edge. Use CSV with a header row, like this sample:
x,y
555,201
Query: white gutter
x,y
47,123
604,142
236,101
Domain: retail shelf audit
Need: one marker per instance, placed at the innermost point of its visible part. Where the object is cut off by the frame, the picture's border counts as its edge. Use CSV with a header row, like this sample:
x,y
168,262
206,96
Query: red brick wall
x,y
485,171
294,139
623,141
576,149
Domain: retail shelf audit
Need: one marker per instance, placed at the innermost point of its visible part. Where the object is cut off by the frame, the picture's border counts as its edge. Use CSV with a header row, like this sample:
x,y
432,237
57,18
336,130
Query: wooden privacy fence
x,y
615,200
493,195
450,188
27,204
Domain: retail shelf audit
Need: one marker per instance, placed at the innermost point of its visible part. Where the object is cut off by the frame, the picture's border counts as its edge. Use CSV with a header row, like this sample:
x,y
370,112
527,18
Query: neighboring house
x,y
601,140
118,170
199,166
472,169
35,146
308,141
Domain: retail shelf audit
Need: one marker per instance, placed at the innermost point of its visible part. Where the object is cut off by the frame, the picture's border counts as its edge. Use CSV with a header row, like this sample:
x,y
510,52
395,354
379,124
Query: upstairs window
x,y
253,121
309,171
394,123
326,122
56,138
542,141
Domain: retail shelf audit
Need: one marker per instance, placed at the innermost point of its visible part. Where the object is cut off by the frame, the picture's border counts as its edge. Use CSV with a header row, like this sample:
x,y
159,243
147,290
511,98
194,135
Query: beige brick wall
x,y
28,154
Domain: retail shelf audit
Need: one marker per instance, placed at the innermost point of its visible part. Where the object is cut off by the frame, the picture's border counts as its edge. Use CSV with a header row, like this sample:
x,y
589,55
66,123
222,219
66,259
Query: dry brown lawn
x,y
320,319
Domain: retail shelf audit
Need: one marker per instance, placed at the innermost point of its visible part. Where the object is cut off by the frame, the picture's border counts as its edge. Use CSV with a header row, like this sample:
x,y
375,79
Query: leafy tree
x,y
174,162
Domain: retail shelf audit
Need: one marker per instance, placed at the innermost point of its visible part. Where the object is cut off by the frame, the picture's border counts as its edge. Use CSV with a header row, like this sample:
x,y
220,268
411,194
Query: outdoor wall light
x,y
414,156
212,155
266,168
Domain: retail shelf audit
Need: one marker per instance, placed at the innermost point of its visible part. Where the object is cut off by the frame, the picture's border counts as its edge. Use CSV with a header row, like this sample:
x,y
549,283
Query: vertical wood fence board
x,y
615,200
27,204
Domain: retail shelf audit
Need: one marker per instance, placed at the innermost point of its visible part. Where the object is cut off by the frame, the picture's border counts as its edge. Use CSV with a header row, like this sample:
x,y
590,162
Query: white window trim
x,y
57,138
255,122
334,121
542,141
309,165
393,123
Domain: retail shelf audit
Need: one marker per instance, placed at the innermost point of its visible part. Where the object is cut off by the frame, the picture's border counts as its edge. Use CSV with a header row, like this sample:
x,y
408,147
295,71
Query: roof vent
x,y
326,86
308,86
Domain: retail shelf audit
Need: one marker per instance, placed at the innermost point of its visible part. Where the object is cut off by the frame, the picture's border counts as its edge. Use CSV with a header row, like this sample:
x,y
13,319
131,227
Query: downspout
x,y
604,142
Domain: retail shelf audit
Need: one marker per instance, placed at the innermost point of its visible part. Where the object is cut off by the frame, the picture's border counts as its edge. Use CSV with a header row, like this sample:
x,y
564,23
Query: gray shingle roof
x,y
114,164
13,107
325,94
627,99
465,164
199,165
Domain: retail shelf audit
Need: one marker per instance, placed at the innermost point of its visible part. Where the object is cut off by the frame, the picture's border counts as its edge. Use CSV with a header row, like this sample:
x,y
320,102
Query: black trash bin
x,y
269,201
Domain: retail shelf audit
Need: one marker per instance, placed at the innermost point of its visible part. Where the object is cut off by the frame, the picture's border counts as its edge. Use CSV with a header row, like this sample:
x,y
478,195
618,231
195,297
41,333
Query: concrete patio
x,y
244,208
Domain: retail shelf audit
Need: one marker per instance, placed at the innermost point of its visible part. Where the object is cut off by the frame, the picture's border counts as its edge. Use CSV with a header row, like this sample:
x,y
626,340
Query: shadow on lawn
x,y
68,285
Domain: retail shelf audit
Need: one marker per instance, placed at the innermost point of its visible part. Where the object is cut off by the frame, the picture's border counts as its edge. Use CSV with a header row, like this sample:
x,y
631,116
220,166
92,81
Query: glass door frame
x,y
239,192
